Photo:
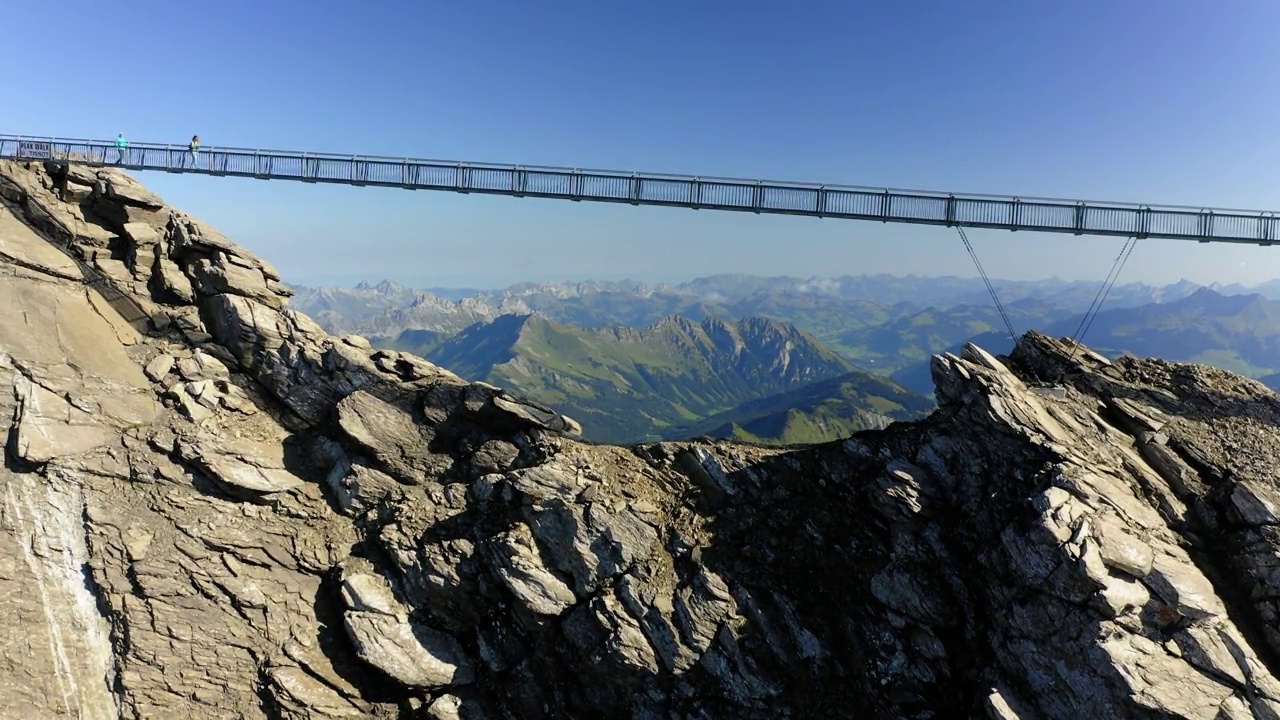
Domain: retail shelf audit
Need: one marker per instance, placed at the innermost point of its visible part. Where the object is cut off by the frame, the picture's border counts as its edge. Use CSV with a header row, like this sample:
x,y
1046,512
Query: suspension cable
x,y
1085,318
1096,307
990,288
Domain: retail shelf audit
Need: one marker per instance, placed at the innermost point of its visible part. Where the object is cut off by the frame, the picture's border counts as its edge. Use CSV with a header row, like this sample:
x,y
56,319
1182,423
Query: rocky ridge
x,y
212,508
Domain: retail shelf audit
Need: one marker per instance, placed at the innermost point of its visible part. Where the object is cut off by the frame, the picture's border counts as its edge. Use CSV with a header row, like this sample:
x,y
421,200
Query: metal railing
x,y
921,207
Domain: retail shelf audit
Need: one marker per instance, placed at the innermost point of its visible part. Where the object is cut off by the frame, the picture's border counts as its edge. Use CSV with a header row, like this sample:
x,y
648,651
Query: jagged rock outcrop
x,y
212,508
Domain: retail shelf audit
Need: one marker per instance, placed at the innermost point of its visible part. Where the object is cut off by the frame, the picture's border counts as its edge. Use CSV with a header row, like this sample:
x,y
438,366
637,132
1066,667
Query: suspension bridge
x,y
920,207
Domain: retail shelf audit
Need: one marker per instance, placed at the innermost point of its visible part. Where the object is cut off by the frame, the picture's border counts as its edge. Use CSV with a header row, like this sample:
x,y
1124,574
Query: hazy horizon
x,y
426,283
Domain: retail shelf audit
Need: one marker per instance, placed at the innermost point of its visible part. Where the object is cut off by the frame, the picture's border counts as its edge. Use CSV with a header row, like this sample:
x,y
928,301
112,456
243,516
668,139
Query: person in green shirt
x,y
121,145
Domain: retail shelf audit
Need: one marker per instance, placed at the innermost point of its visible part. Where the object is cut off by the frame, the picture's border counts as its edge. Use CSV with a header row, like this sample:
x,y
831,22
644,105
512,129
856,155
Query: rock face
x,y
211,508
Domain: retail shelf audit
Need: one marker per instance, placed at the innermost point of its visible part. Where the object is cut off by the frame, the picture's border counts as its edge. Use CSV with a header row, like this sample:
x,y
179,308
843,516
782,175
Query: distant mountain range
x,y
387,308
1240,333
832,309
776,359
628,385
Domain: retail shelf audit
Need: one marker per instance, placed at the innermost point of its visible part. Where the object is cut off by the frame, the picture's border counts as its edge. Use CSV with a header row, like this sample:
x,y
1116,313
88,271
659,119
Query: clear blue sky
x,y
1170,101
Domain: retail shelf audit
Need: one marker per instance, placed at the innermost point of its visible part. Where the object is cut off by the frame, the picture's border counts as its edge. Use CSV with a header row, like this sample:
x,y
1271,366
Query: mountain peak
x,y
1215,303
1200,291
384,287
676,321
764,323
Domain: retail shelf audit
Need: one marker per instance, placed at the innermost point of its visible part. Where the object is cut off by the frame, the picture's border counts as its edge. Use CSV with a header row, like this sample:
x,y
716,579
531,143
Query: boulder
x,y
257,468
411,653
171,283
48,427
391,435
121,188
219,276
160,366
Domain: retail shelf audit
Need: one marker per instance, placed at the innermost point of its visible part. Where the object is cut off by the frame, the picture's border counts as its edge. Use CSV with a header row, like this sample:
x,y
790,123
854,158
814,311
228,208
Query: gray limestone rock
x,y
221,275
171,282
160,367
385,637
122,188
392,436
257,467
515,561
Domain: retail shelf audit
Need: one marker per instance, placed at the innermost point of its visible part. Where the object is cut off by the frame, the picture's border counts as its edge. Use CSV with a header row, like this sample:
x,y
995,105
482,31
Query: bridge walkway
x,y
918,207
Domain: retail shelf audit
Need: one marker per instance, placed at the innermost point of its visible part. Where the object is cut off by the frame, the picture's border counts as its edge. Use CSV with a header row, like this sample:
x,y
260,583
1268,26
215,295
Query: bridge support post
x,y
519,181
1205,225
1143,225
461,179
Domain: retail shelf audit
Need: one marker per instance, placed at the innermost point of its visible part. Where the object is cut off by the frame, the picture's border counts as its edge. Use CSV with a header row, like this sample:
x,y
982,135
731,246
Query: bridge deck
x,y
711,193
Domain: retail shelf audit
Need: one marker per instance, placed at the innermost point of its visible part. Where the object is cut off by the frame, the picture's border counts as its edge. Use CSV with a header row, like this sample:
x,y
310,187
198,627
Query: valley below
x,y
777,360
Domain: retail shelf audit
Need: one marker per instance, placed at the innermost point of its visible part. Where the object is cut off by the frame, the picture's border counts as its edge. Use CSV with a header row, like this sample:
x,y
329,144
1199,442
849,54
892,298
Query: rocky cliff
x,y
213,509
